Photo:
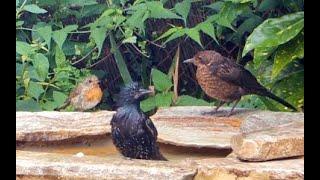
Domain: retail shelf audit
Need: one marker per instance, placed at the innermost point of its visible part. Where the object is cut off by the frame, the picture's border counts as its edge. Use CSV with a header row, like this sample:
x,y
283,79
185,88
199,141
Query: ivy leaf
x,y
208,29
275,31
98,35
194,34
186,100
286,53
27,105
41,64
35,90
160,80
34,9
183,9
46,33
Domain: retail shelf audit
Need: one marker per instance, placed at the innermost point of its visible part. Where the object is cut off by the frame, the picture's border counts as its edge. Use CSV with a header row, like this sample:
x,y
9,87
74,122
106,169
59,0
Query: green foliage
x,y
54,37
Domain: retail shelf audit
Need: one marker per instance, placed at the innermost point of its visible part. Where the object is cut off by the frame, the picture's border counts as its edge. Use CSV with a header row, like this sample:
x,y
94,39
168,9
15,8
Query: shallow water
x,y
103,147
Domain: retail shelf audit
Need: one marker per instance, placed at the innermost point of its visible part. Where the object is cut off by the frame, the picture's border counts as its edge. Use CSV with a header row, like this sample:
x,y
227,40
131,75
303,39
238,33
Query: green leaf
x,y
46,33
239,1
59,97
19,69
60,36
136,20
160,80
186,100
98,35
157,11
49,105
183,9
208,29
24,48
164,99
78,2
268,5
275,31
27,105
148,104
41,64
60,58
120,61
216,6
35,90
34,9
262,54
228,13
176,35
286,53
194,34
169,32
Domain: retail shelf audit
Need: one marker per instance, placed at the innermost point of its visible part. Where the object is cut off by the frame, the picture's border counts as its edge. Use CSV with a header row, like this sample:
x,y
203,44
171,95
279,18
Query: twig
x,y
84,57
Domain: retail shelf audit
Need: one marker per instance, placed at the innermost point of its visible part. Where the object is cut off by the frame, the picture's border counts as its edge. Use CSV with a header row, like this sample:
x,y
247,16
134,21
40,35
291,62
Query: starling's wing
x,y
151,128
236,74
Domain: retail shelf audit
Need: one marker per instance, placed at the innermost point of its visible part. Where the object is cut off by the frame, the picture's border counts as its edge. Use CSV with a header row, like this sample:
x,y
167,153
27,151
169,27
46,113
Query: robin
x,y
225,80
132,132
86,95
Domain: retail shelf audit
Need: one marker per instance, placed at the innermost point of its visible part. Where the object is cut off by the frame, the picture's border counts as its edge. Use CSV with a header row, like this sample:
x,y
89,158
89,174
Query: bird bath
x,y
77,145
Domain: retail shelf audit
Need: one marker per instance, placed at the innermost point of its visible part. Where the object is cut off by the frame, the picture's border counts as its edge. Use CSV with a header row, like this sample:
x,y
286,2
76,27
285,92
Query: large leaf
x,y
275,31
46,33
98,35
183,9
35,90
148,104
229,11
286,53
160,80
34,9
27,105
262,54
175,35
41,64
186,100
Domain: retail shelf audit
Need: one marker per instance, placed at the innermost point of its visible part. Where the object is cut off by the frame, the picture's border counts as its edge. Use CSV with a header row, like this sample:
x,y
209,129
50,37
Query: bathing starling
x,y
133,133
225,80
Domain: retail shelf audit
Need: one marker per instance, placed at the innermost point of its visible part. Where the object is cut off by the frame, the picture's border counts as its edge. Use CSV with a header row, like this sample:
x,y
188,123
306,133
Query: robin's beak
x,y
189,61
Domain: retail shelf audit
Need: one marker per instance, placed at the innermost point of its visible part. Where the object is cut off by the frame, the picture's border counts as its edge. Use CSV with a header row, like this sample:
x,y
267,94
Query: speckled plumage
x,y
223,79
133,133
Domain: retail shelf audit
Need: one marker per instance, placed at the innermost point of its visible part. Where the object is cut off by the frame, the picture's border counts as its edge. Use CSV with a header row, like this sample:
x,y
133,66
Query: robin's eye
x,y
90,81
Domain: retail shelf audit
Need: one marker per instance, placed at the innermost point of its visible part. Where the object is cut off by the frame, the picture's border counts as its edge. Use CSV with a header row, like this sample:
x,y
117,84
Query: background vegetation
x,y
59,42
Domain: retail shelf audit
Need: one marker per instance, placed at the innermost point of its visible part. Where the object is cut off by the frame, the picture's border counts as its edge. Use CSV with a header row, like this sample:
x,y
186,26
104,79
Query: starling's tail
x,y
269,94
159,157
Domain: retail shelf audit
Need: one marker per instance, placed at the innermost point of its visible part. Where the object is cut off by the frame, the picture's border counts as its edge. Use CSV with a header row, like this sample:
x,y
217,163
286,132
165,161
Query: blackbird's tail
x,y
269,94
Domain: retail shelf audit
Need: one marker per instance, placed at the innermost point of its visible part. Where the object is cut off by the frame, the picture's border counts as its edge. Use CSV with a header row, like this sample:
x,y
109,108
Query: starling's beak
x,y
189,61
145,92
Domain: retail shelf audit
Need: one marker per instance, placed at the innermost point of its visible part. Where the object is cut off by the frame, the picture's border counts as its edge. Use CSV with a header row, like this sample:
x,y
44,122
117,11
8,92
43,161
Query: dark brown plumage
x,y
225,80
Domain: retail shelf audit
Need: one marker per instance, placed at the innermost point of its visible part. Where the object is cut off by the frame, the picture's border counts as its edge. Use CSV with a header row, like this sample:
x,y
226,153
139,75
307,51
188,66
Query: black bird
x,y
225,80
133,133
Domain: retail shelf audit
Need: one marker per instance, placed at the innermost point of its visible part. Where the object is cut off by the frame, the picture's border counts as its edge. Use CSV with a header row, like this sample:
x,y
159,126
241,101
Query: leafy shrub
x,y
60,42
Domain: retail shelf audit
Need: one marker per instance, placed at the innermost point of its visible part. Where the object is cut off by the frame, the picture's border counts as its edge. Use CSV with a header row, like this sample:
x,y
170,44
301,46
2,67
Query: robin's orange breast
x,y
214,87
94,94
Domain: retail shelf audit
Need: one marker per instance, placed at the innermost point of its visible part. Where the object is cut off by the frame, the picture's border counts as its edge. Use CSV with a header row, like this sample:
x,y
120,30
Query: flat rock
x,y
234,169
273,143
54,126
58,166
195,127
268,119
